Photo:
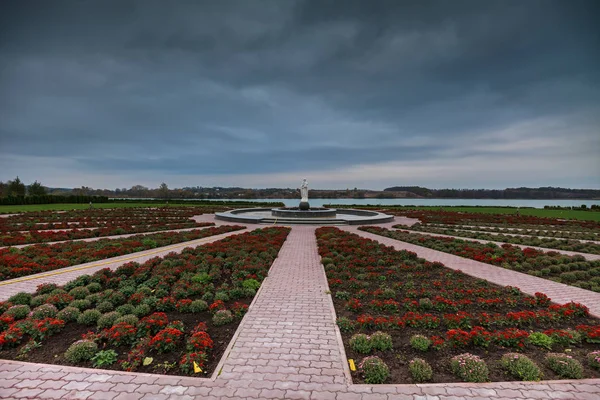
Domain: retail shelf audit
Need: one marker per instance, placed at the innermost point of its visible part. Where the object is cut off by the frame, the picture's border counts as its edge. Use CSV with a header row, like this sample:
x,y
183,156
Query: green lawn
x,y
75,206
536,212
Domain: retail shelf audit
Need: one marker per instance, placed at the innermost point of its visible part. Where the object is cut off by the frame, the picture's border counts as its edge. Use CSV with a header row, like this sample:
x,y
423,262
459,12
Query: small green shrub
x,y
104,358
20,311
198,306
107,320
69,314
81,304
44,311
208,297
361,343
420,370
89,317
374,370
82,350
221,295
326,261
425,304
94,287
141,310
469,368
345,324
251,284
222,317
105,306
125,309
564,365
127,318
593,359
38,300
381,341
521,367
342,295
21,298
541,340
420,342
79,293
46,288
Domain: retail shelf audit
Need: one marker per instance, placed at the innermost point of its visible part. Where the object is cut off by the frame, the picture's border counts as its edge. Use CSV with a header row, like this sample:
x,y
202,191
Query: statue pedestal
x,y
304,205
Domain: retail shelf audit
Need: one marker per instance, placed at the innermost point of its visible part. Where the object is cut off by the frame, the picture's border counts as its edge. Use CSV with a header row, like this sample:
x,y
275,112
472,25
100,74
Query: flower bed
x,y
513,220
558,244
16,262
570,270
172,315
591,234
40,227
428,323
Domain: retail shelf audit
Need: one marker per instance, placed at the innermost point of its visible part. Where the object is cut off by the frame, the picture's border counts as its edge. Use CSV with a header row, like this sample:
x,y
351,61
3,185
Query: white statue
x,y
304,191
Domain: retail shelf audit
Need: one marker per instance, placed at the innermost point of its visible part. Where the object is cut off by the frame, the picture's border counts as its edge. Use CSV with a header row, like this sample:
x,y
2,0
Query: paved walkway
x,y
558,292
287,347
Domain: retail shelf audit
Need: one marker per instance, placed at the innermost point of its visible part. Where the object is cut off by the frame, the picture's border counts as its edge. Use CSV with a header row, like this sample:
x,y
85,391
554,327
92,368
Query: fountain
x,y
304,214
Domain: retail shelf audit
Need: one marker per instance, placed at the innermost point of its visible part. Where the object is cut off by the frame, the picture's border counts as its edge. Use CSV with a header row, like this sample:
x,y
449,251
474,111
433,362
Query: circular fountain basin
x,y
296,212
342,216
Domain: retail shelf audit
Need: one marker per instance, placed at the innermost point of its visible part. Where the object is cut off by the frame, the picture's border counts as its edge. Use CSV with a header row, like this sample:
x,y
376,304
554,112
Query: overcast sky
x,y
253,93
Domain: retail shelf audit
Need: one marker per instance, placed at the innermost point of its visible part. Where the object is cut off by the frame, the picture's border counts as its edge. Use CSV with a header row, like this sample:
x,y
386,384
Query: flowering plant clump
x,y
120,334
239,309
136,355
521,367
511,337
564,337
420,342
591,334
593,359
5,321
186,364
360,343
217,306
564,365
469,368
20,311
44,311
11,336
420,370
81,350
374,370
199,342
43,328
165,340
381,341
222,317
153,323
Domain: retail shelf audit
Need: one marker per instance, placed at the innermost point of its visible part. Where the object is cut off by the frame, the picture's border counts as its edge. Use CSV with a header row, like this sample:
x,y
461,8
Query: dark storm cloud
x,y
250,87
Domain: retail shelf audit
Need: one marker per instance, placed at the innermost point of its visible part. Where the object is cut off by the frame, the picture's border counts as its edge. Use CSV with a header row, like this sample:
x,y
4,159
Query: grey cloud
x,y
272,86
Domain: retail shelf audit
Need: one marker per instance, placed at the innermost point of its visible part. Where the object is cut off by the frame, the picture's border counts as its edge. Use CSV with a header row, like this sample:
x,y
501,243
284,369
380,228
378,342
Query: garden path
x,y
287,346
558,292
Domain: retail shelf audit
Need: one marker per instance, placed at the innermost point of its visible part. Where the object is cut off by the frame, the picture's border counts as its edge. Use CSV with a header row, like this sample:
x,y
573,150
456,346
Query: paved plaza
x,y
287,346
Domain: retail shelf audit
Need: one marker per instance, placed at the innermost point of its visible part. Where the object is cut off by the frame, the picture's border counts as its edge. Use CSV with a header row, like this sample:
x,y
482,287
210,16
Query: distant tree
x,y
36,189
163,191
3,189
16,187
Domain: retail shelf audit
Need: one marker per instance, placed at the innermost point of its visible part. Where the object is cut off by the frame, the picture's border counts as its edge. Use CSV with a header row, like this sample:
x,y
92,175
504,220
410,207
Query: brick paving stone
x,y
292,310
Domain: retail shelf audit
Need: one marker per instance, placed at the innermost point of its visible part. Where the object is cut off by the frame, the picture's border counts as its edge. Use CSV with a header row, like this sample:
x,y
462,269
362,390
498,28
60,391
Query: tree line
x,y
15,192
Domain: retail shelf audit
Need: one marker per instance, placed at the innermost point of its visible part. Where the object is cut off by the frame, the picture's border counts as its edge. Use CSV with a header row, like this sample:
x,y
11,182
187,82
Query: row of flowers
x,y
33,236
513,220
558,244
570,270
15,262
591,234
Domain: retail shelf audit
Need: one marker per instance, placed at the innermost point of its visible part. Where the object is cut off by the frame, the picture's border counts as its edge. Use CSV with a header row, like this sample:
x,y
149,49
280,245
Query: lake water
x,y
435,202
